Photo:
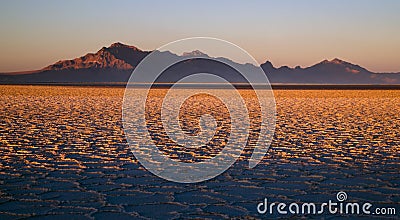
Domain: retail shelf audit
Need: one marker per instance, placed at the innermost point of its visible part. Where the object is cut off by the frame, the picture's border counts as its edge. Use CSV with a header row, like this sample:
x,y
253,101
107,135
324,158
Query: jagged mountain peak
x,y
268,66
194,53
118,56
121,45
337,66
268,63
336,61
100,59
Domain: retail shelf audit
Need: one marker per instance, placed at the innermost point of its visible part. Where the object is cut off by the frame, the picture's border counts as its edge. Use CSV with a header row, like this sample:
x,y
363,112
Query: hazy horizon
x,y
36,34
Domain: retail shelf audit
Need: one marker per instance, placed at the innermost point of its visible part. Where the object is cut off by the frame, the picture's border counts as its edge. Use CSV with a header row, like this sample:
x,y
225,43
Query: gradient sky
x,y
37,33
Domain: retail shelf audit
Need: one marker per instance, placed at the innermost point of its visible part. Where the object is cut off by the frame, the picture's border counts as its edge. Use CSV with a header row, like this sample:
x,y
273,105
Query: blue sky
x,y
38,33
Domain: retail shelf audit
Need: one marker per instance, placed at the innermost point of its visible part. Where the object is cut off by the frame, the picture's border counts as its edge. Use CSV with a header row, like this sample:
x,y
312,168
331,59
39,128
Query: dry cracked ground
x,y
64,155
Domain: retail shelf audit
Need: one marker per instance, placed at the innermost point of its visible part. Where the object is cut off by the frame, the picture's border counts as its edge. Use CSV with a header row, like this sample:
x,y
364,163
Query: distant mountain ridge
x,y
335,71
116,62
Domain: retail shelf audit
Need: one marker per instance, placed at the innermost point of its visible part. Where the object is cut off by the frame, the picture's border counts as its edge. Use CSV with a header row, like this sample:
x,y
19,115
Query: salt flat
x,y
63,153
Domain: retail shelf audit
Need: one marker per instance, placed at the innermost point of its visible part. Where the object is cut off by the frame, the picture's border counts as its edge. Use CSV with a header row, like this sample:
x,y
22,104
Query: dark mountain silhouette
x,y
116,63
110,64
335,71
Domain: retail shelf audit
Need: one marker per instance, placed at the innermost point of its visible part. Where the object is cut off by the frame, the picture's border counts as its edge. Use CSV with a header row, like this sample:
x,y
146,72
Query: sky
x,y
37,33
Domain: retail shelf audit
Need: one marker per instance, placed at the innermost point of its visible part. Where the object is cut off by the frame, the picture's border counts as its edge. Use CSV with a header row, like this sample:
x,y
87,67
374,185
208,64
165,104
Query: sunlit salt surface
x,y
64,154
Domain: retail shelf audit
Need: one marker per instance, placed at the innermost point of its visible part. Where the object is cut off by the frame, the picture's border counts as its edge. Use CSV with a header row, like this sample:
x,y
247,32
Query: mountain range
x,y
116,63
